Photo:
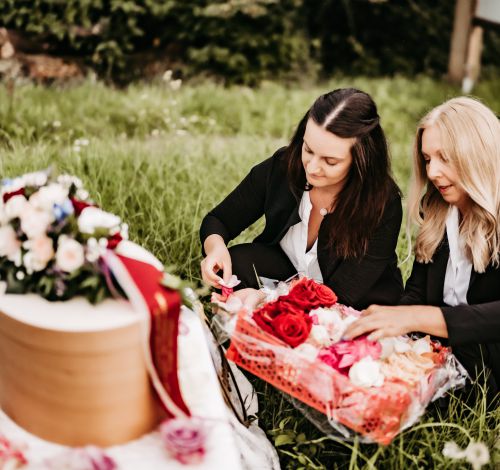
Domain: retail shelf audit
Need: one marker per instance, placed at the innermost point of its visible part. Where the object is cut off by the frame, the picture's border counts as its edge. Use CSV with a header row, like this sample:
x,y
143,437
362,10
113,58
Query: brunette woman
x,y
332,209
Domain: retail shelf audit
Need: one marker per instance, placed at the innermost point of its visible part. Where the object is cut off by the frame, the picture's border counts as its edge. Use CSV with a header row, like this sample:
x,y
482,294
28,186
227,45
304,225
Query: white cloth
x,y
294,244
459,268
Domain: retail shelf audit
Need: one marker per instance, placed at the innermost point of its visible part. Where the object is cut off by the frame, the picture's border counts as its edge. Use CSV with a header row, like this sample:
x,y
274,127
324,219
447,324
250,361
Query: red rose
x,y
290,306
265,315
325,296
292,329
309,294
302,294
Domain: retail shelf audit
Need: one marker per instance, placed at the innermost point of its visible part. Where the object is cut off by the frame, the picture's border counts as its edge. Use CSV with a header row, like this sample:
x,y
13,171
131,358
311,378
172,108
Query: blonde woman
x,y
454,289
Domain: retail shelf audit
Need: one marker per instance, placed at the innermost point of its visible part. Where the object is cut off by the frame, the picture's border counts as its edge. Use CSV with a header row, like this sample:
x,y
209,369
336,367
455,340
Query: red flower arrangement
x,y
288,318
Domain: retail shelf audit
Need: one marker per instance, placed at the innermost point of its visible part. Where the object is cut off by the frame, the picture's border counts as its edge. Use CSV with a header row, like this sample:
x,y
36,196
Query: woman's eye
x,y
307,150
330,162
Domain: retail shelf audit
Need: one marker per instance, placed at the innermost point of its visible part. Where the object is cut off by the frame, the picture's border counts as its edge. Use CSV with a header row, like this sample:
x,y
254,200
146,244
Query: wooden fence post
x,y
459,40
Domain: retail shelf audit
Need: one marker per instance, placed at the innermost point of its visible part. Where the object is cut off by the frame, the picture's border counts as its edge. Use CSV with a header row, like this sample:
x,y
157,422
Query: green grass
x,y
160,159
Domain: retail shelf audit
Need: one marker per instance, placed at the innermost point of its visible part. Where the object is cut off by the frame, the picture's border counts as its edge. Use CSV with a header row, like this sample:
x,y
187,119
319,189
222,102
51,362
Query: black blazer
x,y
478,322
375,278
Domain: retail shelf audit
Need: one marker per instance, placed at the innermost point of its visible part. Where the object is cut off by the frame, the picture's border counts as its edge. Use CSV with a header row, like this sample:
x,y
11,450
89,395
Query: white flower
x,y
422,345
327,316
32,263
42,250
477,454
15,206
93,218
56,123
37,178
47,196
68,180
452,451
176,84
319,336
366,373
393,344
34,222
70,254
9,244
307,351
167,76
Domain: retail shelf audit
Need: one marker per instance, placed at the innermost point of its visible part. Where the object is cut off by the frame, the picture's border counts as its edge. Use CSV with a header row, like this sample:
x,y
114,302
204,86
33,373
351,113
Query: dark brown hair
x,y
359,207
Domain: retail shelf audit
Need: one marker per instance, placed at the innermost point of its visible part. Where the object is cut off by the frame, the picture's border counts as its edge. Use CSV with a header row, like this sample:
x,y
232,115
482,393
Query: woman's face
x,y
326,157
442,173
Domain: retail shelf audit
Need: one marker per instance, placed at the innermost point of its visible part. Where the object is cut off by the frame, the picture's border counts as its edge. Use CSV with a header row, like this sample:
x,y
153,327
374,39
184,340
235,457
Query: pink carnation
x,y
341,356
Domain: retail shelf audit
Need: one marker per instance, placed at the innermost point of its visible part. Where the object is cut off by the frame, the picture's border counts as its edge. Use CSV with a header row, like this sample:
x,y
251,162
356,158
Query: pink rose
x,y
184,439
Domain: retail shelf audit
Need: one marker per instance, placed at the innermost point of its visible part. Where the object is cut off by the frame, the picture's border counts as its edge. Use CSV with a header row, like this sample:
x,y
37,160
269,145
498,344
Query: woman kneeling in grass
x,y
454,289
332,209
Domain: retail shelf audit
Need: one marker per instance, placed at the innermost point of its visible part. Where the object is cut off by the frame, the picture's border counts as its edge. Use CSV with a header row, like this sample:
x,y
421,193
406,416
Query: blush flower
x,y
184,439
70,255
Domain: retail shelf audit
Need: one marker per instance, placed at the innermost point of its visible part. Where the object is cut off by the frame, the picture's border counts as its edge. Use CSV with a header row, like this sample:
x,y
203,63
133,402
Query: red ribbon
x,y
164,306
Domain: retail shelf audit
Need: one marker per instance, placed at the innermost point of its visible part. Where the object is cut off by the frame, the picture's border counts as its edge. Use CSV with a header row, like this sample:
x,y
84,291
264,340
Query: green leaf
x,y
283,439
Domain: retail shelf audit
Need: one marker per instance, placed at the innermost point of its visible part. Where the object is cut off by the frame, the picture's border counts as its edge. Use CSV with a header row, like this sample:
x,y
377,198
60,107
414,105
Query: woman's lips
x,y
444,189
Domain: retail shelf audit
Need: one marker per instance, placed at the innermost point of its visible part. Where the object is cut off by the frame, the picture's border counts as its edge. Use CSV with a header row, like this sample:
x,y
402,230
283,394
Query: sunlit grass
x,y
161,159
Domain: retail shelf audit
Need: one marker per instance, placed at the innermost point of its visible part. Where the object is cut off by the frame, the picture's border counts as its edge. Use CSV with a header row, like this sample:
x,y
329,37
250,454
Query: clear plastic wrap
x,y
369,389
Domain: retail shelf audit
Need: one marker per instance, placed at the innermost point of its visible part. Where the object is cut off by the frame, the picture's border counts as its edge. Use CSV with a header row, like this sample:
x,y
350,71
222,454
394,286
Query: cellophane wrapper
x,y
327,397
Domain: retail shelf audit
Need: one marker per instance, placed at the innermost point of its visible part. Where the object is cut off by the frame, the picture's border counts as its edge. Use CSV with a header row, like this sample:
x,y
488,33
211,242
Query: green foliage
x,y
160,159
246,41
241,40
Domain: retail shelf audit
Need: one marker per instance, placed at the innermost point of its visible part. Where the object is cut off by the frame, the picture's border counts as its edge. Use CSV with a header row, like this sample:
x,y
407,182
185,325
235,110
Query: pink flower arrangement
x,y
184,439
342,355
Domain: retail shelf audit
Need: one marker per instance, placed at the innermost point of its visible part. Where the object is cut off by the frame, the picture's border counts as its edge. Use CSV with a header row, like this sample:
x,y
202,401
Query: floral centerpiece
x,y
372,388
52,237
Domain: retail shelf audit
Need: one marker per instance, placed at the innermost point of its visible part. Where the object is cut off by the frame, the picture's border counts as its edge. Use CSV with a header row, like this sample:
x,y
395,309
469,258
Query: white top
x,y
294,244
459,268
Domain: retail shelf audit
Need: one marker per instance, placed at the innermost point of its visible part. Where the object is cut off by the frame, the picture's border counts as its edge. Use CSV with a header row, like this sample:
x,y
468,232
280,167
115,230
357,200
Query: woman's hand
x,y
250,298
218,258
382,321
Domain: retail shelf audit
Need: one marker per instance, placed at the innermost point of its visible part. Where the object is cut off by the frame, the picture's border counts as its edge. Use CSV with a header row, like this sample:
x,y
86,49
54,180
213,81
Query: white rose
x,y
93,218
38,178
34,222
41,248
319,336
70,254
9,244
32,263
15,206
366,373
422,345
47,196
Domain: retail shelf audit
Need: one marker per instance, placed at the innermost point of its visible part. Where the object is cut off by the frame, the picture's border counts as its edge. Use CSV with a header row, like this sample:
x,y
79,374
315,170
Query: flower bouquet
x,y
53,238
372,388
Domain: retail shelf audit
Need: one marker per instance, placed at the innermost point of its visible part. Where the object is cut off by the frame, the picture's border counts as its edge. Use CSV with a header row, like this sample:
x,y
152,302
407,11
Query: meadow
x,y
161,156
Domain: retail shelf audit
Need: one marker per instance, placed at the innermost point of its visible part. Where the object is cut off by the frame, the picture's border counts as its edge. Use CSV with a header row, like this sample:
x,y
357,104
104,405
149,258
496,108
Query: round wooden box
x,y
74,373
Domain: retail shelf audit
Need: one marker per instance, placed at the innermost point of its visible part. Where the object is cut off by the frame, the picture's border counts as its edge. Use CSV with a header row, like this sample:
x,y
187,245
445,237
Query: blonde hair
x,y
470,141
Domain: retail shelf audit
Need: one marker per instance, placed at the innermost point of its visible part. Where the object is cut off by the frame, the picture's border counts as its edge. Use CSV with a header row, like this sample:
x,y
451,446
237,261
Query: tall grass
x,y
161,159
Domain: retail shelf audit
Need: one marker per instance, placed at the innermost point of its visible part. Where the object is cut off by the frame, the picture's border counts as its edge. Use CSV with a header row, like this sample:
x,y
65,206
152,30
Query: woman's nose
x,y
313,166
433,169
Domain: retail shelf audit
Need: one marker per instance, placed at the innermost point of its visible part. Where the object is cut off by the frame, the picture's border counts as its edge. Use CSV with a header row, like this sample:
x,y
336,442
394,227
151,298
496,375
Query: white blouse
x,y
459,268
294,244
